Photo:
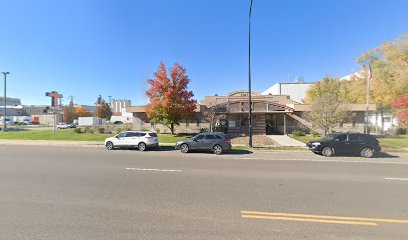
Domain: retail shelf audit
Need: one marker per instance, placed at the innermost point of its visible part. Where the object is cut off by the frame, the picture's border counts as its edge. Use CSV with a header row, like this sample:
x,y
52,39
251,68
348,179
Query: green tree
x,y
82,112
326,99
103,110
326,113
389,64
328,86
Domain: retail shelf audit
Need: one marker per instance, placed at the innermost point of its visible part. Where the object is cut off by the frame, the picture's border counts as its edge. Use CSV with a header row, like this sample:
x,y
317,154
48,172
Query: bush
x,y
118,130
101,130
89,130
314,133
298,133
77,130
157,130
128,127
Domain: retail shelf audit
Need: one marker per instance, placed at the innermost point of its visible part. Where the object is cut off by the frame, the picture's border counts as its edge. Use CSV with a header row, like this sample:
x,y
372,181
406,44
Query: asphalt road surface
x,y
92,193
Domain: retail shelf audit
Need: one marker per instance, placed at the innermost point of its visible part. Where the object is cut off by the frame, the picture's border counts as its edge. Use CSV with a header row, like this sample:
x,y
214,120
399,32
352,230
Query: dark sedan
x,y
364,145
215,142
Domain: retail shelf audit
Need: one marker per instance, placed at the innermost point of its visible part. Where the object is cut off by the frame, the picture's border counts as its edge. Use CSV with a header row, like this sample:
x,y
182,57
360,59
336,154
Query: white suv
x,y
139,139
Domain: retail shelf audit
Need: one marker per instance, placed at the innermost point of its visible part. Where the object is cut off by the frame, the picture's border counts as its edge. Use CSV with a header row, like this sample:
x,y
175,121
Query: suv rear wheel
x,y
142,146
217,149
327,152
367,152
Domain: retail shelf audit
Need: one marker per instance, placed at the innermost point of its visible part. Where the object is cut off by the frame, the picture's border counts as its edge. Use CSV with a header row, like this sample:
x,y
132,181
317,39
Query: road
x,y
92,193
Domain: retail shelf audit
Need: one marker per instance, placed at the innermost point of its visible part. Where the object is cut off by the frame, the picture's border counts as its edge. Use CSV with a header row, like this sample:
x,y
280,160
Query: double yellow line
x,y
319,218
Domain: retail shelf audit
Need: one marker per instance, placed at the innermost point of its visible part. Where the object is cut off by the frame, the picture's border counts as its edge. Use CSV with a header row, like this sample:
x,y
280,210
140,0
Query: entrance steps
x,y
301,120
286,141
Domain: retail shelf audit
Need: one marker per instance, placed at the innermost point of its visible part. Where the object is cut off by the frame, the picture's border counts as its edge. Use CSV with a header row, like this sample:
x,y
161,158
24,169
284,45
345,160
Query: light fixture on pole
x,y
5,101
249,78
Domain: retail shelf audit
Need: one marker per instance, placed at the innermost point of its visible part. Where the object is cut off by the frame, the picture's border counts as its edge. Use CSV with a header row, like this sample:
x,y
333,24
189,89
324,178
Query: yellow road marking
x,y
310,220
326,217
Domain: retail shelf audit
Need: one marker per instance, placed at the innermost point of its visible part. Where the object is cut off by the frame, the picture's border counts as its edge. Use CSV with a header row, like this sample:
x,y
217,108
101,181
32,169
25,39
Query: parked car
x,y
141,140
72,125
118,122
215,142
364,145
9,122
62,125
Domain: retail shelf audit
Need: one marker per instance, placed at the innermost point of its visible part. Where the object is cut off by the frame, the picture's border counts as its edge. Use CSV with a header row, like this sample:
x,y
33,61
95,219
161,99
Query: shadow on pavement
x,y
378,155
385,155
171,149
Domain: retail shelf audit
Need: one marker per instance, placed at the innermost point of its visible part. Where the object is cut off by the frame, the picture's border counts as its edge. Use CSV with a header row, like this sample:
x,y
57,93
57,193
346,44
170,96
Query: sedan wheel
x,y
367,152
217,149
327,152
142,147
184,148
109,145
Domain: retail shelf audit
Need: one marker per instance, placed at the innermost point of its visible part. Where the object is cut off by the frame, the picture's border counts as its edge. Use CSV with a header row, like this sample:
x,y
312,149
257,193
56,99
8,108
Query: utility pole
x,y
5,101
54,111
366,130
249,78
71,99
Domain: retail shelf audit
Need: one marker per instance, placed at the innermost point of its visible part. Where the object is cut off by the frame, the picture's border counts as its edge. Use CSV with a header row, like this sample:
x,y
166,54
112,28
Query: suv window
x,y
199,137
369,138
140,134
342,138
121,135
354,137
218,137
153,134
209,137
131,134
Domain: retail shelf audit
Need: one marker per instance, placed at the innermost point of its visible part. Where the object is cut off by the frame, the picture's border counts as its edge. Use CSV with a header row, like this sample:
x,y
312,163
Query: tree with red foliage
x,y
401,105
170,101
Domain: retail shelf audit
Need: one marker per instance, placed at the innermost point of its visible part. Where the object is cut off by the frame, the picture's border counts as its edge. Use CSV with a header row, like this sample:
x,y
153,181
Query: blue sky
x,y
89,47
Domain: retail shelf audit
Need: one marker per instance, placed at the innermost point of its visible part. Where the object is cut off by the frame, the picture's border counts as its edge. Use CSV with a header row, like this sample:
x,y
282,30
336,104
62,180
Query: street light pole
x,y
249,78
5,102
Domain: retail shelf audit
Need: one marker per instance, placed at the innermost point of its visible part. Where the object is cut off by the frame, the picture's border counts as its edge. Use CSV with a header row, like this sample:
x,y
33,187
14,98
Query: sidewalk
x,y
286,141
51,143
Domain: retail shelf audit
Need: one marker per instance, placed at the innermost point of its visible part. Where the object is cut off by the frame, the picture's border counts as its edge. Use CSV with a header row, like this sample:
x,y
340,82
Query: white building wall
x,y
89,121
274,90
295,91
118,105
